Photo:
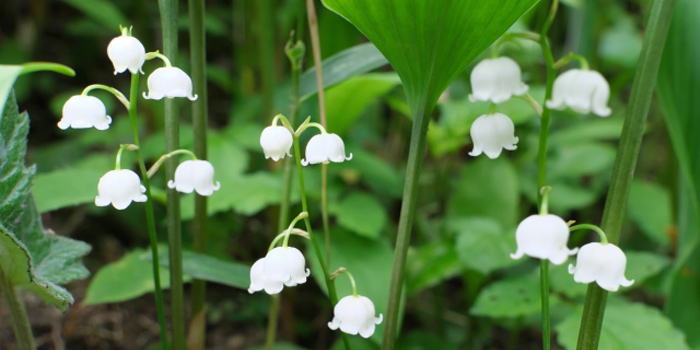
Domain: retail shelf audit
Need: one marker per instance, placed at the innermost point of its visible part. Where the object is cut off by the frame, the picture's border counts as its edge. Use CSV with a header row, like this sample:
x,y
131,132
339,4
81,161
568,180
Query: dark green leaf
x,y
483,244
649,207
209,268
430,264
515,296
360,213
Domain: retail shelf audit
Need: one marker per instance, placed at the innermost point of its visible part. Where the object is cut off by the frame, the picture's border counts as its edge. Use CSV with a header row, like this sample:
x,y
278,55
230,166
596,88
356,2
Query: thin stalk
x,y
18,314
199,124
267,64
316,48
542,166
317,249
626,160
168,16
150,217
421,116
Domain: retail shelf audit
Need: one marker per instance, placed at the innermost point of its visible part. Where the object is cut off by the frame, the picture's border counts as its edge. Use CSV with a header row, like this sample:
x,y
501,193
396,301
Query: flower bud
x,y
496,80
126,52
276,141
82,112
119,188
169,82
324,148
491,133
355,314
193,175
583,91
603,263
543,237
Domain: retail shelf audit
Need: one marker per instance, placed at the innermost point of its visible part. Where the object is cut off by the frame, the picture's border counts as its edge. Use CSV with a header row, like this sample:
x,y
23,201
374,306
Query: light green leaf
x,y
66,187
626,326
621,43
103,12
649,207
515,296
589,130
209,268
377,173
430,264
430,42
581,159
486,188
483,245
360,213
346,101
46,259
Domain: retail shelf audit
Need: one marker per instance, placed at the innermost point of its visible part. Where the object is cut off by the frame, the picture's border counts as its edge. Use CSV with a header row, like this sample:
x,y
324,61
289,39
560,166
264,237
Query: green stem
x,y
542,166
601,233
421,116
626,160
18,314
118,94
272,321
199,124
32,67
150,217
317,249
266,42
168,16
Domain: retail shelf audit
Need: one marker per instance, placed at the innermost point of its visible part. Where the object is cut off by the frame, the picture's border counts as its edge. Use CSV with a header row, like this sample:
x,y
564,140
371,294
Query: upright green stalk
x,y
199,122
150,219
421,119
317,249
18,314
626,160
168,17
266,40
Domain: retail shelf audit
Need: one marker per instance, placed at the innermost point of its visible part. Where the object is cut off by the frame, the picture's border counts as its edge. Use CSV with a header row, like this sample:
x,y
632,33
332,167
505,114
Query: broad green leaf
x,y
430,42
211,269
430,264
581,159
125,279
515,296
588,130
622,42
649,207
46,259
626,326
377,173
487,188
8,75
356,60
346,101
66,187
103,12
369,261
483,244
360,213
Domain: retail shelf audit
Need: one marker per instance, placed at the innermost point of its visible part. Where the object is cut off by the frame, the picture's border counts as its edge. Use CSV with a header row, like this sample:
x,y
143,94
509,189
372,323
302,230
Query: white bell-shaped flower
x,y
195,175
276,142
543,237
260,280
324,148
355,314
286,265
126,52
583,91
169,82
119,188
82,112
496,80
603,263
491,133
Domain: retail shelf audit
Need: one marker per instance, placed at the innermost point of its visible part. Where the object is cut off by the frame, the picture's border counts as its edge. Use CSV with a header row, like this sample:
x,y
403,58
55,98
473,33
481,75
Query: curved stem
x,y
156,54
18,314
626,159
32,67
583,62
421,116
317,249
118,94
601,233
532,102
150,218
288,232
154,168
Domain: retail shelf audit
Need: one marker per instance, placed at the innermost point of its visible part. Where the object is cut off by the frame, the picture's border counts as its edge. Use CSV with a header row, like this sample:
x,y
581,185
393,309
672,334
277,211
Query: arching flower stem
x,y
157,54
512,38
544,203
288,232
532,102
352,279
583,62
294,231
118,160
154,168
307,125
601,233
118,94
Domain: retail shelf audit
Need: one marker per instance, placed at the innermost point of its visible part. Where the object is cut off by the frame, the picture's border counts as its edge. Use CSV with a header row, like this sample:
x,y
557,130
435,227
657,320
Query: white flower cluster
x,y
276,142
498,79
546,236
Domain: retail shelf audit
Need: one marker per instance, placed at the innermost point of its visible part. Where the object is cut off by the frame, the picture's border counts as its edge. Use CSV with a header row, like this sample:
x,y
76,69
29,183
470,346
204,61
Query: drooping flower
x,y
286,265
195,175
82,112
260,280
543,237
496,80
603,263
126,52
169,82
324,148
119,188
276,142
355,314
583,91
491,133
